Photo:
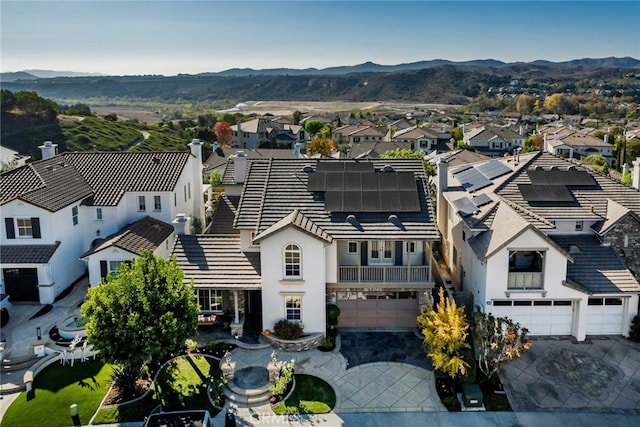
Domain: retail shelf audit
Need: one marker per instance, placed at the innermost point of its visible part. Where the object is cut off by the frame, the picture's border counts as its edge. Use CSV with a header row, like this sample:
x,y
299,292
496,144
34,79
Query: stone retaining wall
x,y
302,344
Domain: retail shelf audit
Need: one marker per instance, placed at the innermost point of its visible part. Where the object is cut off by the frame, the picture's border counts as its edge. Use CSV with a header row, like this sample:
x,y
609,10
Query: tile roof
x,y
147,233
298,220
217,261
111,174
27,254
595,267
222,223
72,177
258,153
51,184
589,202
615,212
274,189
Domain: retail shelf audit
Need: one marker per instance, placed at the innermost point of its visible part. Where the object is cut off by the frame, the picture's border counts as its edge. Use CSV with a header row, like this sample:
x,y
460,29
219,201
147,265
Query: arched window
x,y
292,261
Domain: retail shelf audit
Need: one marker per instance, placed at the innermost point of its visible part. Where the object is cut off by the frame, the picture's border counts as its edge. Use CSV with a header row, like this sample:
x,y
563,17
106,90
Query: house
x,y
294,234
252,133
59,209
10,159
356,133
542,241
494,141
421,138
570,143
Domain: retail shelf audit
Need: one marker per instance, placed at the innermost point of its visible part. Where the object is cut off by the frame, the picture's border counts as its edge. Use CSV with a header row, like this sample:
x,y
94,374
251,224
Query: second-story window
x,y
526,269
411,247
579,225
99,213
292,261
74,215
353,247
142,205
157,203
24,227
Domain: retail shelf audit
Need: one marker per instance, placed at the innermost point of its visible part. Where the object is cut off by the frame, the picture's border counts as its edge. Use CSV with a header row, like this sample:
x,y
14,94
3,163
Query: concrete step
x,y
18,363
10,388
246,398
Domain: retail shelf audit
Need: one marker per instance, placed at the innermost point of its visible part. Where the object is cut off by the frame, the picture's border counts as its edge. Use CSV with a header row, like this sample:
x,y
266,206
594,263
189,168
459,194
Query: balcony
x,y
384,274
525,280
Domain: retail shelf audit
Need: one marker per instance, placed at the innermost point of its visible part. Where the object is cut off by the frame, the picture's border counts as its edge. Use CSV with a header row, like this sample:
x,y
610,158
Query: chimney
x,y
296,151
239,167
636,174
464,129
181,224
442,185
240,144
606,138
521,131
198,207
48,150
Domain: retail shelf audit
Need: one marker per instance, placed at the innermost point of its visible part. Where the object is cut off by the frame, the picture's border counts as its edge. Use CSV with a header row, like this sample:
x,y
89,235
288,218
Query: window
x,y
24,227
526,269
74,215
142,205
184,190
113,267
464,236
210,300
293,308
175,199
292,261
353,247
411,247
579,225
99,213
189,189
157,203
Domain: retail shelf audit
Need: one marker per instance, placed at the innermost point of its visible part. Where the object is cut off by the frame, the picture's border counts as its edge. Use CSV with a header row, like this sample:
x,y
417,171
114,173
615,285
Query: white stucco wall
x,y
311,286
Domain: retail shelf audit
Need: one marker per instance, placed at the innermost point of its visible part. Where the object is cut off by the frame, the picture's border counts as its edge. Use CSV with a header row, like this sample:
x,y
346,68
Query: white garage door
x,y
605,316
541,317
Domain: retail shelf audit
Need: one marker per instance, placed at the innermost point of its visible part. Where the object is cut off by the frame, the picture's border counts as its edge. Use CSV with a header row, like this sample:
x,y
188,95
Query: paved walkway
x,y
601,374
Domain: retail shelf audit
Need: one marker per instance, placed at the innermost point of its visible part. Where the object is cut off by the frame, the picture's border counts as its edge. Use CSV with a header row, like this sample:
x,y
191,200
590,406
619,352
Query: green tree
x,y
533,143
499,340
144,310
297,116
313,127
444,327
525,104
456,133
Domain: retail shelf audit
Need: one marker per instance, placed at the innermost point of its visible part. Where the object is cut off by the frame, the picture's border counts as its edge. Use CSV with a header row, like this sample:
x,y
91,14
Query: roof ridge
x,y
516,207
263,193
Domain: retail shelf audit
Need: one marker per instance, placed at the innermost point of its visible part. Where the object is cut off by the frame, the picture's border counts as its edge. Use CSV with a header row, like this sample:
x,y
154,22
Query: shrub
x,y
286,376
125,378
287,330
634,330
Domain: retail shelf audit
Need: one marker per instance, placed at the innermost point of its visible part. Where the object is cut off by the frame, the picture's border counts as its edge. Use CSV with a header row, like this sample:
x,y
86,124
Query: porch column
x,y
237,313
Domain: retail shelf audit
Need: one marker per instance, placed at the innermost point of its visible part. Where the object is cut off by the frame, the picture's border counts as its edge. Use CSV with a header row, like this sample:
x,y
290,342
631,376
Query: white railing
x,y
525,280
383,274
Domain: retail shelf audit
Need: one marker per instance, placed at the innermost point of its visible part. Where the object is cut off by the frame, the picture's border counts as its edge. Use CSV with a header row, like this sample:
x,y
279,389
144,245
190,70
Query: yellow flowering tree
x,y
444,327
498,340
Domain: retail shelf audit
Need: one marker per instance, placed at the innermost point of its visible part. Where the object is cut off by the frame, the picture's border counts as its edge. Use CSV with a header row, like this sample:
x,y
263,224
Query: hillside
x,y
436,82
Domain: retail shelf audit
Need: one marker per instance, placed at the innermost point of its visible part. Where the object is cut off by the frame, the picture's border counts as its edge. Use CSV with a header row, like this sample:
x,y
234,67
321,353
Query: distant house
x,y
493,141
551,245
354,134
421,138
10,159
570,143
60,209
250,134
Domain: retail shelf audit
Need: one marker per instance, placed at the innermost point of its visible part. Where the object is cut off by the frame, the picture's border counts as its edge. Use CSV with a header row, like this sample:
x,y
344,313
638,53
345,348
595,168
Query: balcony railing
x,y
383,274
525,280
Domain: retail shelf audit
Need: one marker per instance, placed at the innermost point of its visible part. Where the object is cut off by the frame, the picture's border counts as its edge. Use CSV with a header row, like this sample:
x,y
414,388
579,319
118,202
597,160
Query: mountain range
x,y
436,81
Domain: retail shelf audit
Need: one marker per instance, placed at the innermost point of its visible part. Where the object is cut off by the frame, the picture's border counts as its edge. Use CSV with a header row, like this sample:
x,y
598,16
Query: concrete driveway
x,y
601,374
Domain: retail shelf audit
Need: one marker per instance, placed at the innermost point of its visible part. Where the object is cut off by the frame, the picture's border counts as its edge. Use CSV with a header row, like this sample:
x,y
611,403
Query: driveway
x,y
601,374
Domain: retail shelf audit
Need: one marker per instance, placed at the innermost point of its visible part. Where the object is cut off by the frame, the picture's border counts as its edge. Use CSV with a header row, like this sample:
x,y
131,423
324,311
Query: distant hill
x,y
19,75
42,74
436,81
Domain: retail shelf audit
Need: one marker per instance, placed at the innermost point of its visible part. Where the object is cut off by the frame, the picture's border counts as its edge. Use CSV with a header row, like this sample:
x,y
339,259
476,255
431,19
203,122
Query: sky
x,y
189,37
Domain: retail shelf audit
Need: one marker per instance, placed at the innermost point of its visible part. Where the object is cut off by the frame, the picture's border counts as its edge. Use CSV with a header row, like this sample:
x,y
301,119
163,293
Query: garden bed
x,y
311,395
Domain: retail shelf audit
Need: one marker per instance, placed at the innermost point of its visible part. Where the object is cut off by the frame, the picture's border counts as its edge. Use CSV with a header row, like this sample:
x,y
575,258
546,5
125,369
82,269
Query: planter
x,y
306,342
69,329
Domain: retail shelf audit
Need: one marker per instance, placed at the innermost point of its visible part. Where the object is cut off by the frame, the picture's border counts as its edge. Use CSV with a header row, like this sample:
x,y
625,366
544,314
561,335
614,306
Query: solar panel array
x,y
366,191
475,177
552,185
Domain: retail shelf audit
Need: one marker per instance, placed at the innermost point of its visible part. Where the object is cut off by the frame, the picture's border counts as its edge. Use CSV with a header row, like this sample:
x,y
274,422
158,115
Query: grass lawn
x,y
179,385
55,389
310,395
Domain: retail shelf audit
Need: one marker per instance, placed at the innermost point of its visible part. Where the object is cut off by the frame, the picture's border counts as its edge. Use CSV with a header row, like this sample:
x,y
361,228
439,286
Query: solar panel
x,y
388,181
371,201
560,177
316,181
353,181
370,182
481,200
389,201
465,206
344,165
493,169
330,166
545,193
460,168
334,181
333,201
472,180
352,201
409,201
406,181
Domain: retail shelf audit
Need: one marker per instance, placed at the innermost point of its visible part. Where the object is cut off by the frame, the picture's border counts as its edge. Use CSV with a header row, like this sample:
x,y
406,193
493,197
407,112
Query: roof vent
x,y
387,168
572,168
351,218
307,169
553,168
156,159
393,218
573,249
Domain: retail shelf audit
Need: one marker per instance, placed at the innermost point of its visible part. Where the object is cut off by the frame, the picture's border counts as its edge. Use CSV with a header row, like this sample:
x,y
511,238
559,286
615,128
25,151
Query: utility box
x,y
472,396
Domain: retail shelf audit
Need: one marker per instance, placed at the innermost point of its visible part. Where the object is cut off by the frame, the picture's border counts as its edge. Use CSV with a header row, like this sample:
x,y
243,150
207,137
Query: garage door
x,y
605,316
21,284
541,317
377,309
